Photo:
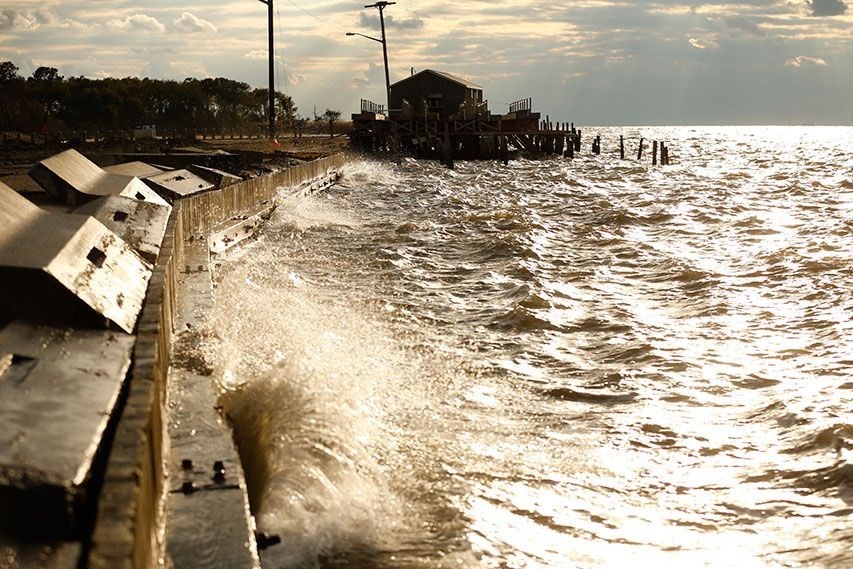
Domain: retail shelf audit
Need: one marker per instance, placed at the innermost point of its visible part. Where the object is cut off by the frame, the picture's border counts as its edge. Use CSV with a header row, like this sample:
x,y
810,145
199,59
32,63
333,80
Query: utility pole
x,y
269,4
381,6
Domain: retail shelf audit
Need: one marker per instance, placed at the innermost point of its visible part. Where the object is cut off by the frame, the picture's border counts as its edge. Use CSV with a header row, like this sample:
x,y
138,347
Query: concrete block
x,y
142,225
74,179
58,390
177,184
136,168
218,178
66,268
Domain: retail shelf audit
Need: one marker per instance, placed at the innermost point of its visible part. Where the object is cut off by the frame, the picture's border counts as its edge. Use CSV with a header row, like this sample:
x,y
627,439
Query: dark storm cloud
x,y
827,7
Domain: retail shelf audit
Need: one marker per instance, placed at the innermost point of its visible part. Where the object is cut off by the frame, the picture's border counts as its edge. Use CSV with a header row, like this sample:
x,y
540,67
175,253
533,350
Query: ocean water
x,y
589,363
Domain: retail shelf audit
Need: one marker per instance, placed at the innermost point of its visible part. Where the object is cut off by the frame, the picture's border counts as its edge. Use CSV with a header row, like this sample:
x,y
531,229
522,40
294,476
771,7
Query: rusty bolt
x,y
265,539
219,471
186,464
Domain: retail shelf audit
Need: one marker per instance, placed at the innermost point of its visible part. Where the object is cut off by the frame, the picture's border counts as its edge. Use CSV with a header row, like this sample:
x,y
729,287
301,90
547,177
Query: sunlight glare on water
x,y
555,364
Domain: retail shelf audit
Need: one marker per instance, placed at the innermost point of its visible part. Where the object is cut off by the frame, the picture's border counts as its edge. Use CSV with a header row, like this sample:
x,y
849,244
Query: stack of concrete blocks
x,y
138,169
177,184
72,287
72,178
66,268
71,290
218,178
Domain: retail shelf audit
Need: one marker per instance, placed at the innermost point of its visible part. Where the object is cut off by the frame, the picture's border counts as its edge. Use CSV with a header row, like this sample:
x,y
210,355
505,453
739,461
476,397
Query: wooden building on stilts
x,y
437,115
441,116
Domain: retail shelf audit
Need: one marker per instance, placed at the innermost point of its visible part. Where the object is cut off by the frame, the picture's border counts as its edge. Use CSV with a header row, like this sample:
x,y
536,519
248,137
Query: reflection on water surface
x,y
556,364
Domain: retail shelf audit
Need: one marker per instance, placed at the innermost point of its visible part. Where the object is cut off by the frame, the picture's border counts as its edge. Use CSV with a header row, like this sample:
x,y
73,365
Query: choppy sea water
x,y
555,364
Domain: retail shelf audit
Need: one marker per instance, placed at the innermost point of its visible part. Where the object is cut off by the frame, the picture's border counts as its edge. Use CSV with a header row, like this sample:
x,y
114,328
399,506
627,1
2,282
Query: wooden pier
x,y
438,115
485,137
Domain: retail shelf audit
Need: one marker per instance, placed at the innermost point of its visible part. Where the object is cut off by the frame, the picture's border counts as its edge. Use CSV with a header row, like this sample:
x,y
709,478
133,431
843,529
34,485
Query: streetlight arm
x,y
364,36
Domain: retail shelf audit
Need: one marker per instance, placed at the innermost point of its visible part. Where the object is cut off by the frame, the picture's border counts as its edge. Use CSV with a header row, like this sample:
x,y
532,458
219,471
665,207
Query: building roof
x,y
464,82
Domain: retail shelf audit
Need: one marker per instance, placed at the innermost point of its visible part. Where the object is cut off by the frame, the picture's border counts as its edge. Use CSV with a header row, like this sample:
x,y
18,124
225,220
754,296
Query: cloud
x,y
17,20
372,22
137,23
704,43
160,69
33,20
744,25
191,24
827,7
261,55
293,77
152,50
805,61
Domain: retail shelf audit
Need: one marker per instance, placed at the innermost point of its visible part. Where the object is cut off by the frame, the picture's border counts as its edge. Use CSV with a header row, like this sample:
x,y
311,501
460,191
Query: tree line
x,y
48,102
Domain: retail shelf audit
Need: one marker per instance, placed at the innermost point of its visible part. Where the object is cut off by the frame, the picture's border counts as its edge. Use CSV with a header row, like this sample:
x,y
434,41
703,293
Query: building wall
x,y
418,87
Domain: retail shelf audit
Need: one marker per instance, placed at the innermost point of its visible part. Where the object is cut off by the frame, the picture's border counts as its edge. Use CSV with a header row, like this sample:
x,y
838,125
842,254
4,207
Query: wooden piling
x,y
655,153
448,149
621,147
640,151
578,141
570,147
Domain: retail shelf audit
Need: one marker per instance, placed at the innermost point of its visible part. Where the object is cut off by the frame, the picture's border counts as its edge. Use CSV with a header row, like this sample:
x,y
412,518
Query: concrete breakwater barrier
x,y
113,452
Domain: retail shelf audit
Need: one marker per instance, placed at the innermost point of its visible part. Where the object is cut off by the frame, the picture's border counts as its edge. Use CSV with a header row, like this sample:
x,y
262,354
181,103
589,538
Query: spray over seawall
x,y
316,385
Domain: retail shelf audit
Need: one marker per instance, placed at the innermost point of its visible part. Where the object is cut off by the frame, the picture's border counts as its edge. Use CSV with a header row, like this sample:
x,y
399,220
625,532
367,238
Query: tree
x,y
48,100
8,71
331,116
47,74
285,111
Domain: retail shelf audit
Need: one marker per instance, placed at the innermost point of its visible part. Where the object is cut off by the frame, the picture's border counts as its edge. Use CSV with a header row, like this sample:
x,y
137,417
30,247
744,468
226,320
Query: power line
x,y
397,63
279,40
316,17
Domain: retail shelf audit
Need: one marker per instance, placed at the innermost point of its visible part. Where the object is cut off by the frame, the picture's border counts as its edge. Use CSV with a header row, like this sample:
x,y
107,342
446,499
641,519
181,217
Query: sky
x,y
589,61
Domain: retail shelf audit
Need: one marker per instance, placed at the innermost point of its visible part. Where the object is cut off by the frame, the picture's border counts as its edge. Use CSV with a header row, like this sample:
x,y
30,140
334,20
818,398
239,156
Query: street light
x,y
381,6
364,36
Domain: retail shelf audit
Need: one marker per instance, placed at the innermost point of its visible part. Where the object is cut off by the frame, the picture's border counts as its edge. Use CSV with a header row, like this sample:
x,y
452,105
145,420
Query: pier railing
x,y
521,105
371,107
